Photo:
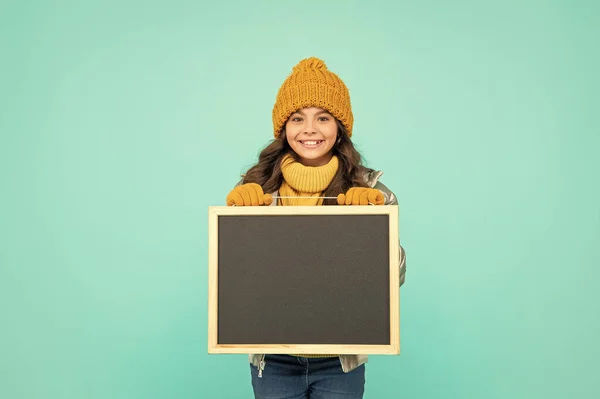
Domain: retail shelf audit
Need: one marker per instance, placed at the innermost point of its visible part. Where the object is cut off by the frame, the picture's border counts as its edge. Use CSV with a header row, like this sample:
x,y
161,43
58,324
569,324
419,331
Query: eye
x,y
296,119
324,118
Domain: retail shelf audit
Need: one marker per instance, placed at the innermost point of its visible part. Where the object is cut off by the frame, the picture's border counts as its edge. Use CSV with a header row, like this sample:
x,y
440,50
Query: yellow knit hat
x,y
311,84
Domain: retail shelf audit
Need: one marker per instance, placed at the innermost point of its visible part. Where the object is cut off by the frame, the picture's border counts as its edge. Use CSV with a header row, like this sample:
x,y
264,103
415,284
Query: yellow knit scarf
x,y
305,181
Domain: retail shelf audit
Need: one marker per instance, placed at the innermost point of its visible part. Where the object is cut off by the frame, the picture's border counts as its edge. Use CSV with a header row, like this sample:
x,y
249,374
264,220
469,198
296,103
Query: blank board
x,y
304,279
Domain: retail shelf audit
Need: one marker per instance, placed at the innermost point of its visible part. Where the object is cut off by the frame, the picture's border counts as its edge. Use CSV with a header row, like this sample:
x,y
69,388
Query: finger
x,y
267,199
356,196
341,198
254,198
364,197
243,192
259,193
379,198
256,187
376,197
349,195
237,198
229,200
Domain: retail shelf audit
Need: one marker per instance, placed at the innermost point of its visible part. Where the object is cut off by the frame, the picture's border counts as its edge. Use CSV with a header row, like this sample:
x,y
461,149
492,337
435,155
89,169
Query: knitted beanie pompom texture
x,y
311,84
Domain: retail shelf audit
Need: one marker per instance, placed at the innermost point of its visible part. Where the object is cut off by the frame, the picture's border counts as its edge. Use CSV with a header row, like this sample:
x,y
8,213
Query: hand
x,y
249,194
361,196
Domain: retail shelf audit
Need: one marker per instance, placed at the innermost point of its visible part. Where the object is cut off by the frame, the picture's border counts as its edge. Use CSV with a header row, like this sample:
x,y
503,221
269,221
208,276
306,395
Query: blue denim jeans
x,y
291,377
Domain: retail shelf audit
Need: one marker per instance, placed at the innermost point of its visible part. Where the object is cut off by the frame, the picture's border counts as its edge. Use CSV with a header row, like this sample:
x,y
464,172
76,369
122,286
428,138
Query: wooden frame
x,y
394,290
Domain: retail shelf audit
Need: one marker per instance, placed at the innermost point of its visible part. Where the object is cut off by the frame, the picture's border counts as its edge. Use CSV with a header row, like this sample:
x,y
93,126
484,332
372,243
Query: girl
x,y
312,161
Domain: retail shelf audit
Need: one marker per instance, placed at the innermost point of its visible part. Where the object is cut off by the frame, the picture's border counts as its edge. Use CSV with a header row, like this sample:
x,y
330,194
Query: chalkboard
x,y
303,279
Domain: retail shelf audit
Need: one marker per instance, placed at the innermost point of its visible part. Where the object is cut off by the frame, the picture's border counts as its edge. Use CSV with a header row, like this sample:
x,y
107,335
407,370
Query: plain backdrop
x,y
122,121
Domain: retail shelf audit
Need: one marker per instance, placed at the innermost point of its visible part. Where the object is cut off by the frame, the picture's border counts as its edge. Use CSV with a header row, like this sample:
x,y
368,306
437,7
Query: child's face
x,y
312,132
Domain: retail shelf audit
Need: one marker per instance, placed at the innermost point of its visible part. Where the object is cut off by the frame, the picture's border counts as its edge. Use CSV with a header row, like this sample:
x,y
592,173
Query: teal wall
x,y
122,121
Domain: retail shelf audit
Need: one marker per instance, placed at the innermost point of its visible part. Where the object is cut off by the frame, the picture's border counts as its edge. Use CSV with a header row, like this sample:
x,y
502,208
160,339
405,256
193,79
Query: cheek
x,y
288,134
289,140
332,133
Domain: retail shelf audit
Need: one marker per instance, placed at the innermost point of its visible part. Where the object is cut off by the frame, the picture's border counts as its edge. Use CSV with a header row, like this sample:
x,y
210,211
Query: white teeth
x,y
311,142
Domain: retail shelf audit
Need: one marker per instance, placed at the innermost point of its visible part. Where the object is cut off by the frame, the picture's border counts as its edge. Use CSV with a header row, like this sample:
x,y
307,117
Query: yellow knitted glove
x,y
249,194
361,196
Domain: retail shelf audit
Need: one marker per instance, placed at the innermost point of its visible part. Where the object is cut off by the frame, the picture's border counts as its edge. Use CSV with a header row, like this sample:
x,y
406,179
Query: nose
x,y
309,127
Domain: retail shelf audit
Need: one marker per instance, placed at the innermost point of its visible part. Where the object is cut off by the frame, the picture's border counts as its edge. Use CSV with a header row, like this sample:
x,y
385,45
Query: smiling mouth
x,y
310,143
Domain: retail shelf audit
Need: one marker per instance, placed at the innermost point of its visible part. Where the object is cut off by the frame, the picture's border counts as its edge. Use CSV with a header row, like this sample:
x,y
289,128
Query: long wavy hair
x,y
267,172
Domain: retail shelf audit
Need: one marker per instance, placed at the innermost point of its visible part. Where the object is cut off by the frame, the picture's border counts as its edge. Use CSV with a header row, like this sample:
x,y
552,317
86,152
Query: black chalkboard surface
x,y
303,279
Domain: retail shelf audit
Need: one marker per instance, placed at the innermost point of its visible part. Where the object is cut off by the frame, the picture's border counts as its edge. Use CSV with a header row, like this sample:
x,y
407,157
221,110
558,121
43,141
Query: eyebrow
x,y
318,113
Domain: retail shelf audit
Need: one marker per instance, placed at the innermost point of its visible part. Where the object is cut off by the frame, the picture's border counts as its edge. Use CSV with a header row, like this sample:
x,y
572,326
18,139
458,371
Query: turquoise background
x,y
122,121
